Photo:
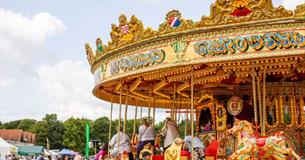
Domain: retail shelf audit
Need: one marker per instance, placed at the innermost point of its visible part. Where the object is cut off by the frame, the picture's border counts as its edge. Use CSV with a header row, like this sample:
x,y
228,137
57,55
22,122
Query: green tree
x,y
11,124
26,124
41,130
100,129
1,125
74,135
49,128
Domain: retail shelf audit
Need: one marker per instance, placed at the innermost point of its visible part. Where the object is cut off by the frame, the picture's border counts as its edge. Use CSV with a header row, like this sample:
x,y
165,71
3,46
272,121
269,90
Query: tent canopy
x,y
66,152
6,149
30,150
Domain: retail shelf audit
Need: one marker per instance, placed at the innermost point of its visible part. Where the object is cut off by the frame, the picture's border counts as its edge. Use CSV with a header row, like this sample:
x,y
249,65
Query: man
x,y
124,142
146,135
198,145
170,132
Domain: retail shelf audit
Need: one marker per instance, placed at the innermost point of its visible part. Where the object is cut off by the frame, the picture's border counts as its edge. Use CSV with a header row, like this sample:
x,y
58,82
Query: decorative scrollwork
x,y
236,11
223,12
90,55
300,11
175,22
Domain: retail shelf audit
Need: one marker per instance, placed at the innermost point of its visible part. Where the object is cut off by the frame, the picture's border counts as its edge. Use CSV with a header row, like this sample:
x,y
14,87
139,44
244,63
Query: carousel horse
x,y
174,151
251,146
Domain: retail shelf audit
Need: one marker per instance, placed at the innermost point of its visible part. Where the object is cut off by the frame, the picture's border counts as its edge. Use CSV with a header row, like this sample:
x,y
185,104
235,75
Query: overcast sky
x,y
43,64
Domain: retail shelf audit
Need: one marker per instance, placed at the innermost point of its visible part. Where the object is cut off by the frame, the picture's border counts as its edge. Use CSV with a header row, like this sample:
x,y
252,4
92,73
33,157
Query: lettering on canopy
x,y
271,41
136,61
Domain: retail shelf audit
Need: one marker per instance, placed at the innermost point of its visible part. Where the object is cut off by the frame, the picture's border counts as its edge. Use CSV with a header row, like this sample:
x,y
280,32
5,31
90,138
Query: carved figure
x,y
300,11
174,151
115,35
236,11
90,55
266,147
125,30
136,28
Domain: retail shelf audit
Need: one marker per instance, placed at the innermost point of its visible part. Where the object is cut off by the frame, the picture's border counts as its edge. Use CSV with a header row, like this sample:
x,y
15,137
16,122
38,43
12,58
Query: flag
x,y
87,140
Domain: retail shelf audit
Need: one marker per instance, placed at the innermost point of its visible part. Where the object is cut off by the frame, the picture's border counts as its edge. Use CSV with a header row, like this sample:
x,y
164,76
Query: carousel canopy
x,y
221,52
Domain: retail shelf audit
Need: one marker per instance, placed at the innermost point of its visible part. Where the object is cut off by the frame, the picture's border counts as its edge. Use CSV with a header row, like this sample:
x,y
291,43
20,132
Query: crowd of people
x,y
120,143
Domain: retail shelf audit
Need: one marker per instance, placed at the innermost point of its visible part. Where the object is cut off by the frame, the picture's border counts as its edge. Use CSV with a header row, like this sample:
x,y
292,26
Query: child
x,y
102,154
185,151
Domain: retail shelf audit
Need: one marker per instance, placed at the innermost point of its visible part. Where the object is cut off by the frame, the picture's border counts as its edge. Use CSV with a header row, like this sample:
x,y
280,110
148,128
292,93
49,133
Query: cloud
x,y
23,48
68,85
291,4
24,39
7,82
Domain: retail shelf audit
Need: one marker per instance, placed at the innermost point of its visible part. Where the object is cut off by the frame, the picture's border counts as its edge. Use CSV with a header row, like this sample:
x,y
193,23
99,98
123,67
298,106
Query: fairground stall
x,y
246,57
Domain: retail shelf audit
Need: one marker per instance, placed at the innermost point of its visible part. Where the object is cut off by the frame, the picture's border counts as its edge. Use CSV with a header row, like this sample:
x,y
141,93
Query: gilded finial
x,y
89,52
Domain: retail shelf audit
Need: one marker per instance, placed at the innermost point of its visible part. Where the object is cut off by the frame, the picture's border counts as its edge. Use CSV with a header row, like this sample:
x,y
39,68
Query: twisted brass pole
x,y
192,111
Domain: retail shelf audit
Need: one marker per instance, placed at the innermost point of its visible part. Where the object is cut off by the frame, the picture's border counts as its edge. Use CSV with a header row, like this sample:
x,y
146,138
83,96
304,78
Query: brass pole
x,y
110,125
141,111
174,104
259,96
149,107
135,118
148,114
126,110
264,103
119,123
254,98
192,111
185,122
154,114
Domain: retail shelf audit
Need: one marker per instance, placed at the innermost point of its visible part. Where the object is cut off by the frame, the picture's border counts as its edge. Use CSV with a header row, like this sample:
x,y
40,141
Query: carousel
x,y
240,70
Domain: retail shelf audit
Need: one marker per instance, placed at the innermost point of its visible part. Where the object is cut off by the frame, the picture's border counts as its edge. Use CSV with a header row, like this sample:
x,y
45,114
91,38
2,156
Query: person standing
x,y
146,136
170,132
124,143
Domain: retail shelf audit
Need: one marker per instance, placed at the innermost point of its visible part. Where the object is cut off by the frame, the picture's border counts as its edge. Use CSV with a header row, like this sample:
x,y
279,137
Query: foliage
x,y
100,129
49,128
26,124
41,131
71,133
74,136
11,125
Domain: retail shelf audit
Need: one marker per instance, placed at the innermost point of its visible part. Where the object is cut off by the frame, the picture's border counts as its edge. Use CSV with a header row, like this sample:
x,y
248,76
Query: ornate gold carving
x,y
222,12
100,48
128,31
174,151
90,55
174,22
179,47
300,11
236,11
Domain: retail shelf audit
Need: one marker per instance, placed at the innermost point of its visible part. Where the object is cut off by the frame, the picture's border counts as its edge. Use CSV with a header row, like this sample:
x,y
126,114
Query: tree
x,y
41,131
74,135
1,125
49,128
11,124
26,124
100,129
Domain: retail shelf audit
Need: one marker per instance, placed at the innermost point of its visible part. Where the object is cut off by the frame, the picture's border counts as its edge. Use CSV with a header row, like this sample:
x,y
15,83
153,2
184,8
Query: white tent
x,y
6,149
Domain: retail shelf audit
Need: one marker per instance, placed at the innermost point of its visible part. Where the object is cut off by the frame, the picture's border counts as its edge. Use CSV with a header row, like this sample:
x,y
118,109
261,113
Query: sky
x,y
43,65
